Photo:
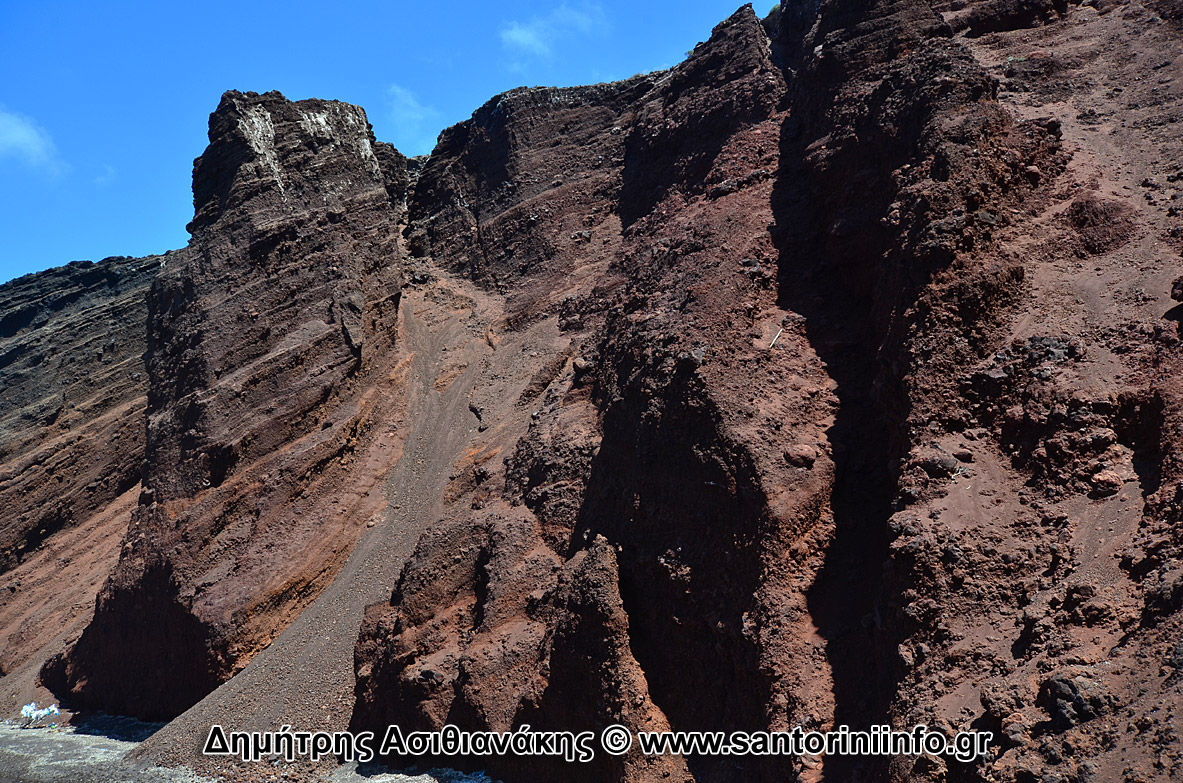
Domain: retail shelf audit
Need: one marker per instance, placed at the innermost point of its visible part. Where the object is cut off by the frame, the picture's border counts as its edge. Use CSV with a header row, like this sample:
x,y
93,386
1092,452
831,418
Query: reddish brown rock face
x,y
260,337
827,378
73,384
71,434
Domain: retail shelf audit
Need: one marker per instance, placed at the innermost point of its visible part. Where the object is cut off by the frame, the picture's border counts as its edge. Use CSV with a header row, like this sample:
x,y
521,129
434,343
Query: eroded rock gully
x,y
825,378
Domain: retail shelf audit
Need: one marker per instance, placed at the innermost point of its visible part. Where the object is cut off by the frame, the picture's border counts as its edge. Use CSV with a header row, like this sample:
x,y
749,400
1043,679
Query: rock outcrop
x,y
264,337
624,563
73,383
73,386
828,378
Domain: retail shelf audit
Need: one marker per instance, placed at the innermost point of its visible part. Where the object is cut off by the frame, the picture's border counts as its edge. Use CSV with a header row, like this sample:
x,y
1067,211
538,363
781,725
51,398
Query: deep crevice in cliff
x,y
684,508
841,270
847,596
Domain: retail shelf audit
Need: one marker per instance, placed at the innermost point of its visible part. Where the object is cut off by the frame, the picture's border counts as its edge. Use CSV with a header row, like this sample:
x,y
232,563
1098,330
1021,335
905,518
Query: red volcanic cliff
x,y
263,337
827,378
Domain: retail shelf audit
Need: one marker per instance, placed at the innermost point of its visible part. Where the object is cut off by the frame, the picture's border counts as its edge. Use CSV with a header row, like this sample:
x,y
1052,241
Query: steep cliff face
x,y
1017,431
73,384
501,203
625,563
1030,581
265,339
729,486
899,169
749,518
826,378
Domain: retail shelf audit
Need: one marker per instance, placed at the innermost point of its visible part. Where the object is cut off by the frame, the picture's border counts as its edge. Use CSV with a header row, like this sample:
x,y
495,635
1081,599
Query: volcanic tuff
x,y
826,378
72,386
261,340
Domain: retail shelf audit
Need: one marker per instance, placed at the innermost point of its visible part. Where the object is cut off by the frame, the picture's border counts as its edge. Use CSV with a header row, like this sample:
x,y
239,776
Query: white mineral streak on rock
x,y
319,124
257,128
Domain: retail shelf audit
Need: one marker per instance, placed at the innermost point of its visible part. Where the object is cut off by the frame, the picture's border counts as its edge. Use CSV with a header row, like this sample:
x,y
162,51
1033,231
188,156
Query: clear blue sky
x,y
104,105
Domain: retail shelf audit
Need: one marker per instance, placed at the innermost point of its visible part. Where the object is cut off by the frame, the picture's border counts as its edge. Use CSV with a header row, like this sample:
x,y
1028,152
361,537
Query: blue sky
x,y
103,106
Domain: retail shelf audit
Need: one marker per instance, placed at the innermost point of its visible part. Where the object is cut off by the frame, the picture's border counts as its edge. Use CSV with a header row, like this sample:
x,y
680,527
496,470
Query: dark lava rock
x,y
992,16
1070,699
940,465
1177,289
1174,658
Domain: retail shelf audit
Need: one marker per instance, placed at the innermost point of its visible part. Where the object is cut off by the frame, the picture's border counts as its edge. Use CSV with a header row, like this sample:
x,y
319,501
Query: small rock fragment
x,y
801,455
1106,482
939,465
1014,730
1177,289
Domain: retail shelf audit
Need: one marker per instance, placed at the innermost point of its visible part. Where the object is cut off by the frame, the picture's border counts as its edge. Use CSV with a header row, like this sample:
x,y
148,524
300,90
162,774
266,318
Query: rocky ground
x,y
827,378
